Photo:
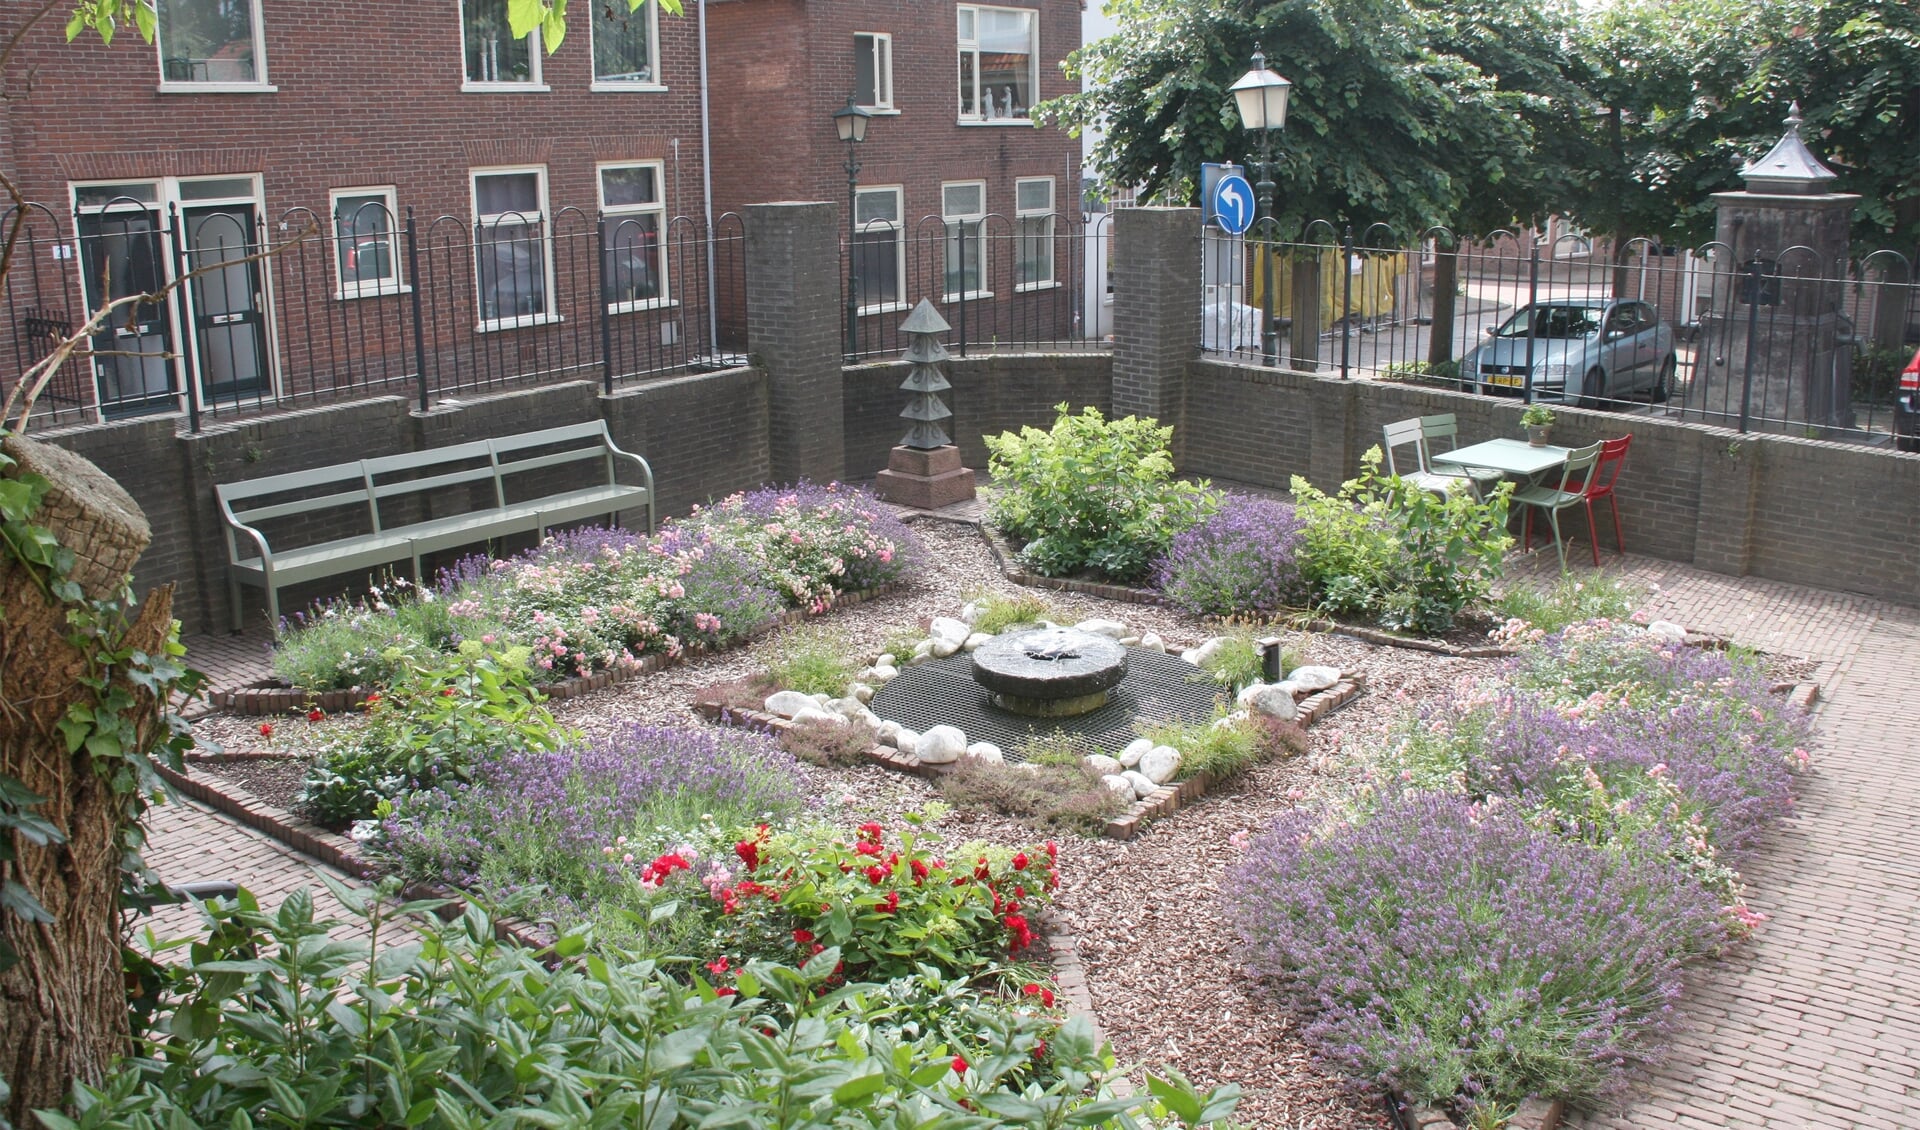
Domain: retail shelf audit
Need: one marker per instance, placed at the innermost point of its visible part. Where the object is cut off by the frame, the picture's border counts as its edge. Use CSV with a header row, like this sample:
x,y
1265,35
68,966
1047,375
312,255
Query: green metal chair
x,y
1407,433
1575,474
1444,427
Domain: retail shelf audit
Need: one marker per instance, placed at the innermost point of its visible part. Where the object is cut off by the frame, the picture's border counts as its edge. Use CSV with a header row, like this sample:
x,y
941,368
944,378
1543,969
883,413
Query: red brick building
x,y
250,121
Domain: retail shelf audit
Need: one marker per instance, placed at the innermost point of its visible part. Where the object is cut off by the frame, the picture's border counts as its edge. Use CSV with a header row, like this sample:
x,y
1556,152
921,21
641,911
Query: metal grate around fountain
x,y
1157,687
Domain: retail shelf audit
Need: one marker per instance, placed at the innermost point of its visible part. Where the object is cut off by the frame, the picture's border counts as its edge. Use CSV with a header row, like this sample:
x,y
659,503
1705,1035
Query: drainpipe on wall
x,y
706,190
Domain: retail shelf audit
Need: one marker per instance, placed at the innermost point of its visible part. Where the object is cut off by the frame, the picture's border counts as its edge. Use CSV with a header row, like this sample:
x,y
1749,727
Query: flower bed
x,y
593,600
1502,905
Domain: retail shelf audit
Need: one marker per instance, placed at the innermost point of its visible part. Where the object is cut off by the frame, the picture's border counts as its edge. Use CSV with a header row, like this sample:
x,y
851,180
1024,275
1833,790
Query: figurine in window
x,y
1006,101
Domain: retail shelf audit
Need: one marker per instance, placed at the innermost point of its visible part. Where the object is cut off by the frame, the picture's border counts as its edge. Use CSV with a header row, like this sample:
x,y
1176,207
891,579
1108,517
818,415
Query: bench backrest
x,y
328,497
400,481
528,452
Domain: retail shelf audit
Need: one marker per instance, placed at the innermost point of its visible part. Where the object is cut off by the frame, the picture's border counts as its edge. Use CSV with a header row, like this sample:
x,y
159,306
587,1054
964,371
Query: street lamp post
x,y
1261,98
851,123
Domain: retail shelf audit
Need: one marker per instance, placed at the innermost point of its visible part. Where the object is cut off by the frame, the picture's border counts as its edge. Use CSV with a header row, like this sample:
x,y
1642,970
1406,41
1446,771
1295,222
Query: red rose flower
x,y
892,904
865,848
749,853
980,870
266,730
1053,851
919,870
802,937
1020,862
870,832
315,715
726,991
446,692
959,1065
876,874
719,968
1039,1051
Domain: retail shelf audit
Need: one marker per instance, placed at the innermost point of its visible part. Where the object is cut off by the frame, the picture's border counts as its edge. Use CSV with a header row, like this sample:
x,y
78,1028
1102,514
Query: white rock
x,y
822,699
816,714
1129,641
1207,650
1152,642
1667,630
1105,766
861,693
1143,786
970,612
886,659
905,740
883,673
921,652
848,707
943,648
1136,749
1160,763
1118,785
1314,678
987,751
788,703
1271,699
1111,629
941,744
869,717
1232,719
947,628
974,641
889,731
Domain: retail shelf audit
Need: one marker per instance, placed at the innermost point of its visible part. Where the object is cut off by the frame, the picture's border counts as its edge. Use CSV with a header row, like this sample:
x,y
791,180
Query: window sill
x,y
175,87
1028,288
524,321
990,122
505,88
882,111
640,304
883,308
371,290
603,87
969,296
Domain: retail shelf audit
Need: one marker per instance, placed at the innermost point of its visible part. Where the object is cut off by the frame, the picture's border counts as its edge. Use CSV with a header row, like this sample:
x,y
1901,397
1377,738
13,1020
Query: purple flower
x,y
1241,559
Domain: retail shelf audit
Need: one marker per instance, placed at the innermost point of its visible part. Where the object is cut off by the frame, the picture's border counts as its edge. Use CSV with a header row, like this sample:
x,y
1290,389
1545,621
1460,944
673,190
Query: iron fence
x,y
1779,341
314,306
1020,283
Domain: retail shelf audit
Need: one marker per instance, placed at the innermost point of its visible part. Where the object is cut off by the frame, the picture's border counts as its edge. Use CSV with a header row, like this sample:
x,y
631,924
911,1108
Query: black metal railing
x,y
311,307
1021,283
1769,340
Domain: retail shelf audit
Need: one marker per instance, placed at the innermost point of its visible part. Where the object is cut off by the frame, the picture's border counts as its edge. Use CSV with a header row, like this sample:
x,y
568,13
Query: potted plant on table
x,y
1537,420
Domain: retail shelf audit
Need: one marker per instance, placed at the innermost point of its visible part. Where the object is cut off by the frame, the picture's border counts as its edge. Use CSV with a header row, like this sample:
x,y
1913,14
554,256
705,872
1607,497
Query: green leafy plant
x,y
1406,558
1568,600
811,660
1091,494
998,612
433,724
268,1020
1224,748
1238,661
1536,415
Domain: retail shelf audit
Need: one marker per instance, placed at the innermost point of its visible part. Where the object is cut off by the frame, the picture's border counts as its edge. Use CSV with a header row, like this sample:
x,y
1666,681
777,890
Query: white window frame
x,y
1051,215
882,49
396,284
898,227
653,85
259,85
536,81
482,222
978,221
973,44
615,212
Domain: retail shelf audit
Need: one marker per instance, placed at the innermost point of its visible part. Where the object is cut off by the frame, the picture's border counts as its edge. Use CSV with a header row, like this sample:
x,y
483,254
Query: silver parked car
x,y
1585,351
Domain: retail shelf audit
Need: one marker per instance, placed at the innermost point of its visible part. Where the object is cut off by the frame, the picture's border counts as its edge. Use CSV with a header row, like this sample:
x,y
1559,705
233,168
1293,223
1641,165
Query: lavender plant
x,y
1239,560
1450,949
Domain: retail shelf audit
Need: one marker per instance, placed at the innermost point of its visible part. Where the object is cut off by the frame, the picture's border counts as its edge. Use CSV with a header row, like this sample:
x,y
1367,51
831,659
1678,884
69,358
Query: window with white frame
x,y
624,45
999,63
963,205
634,275
494,58
873,70
512,268
879,249
210,43
365,254
1033,233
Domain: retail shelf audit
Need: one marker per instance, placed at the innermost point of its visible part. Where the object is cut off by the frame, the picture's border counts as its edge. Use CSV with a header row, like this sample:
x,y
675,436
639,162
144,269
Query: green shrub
x,y
432,724
337,645
1091,494
1569,600
269,1022
1406,558
811,660
1222,749
997,612
1238,662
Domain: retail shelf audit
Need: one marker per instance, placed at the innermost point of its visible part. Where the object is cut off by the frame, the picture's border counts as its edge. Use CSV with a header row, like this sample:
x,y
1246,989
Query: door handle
x,y
226,319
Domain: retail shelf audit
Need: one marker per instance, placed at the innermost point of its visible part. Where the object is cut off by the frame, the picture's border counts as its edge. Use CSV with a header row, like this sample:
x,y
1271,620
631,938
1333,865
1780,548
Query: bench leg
x,y
273,609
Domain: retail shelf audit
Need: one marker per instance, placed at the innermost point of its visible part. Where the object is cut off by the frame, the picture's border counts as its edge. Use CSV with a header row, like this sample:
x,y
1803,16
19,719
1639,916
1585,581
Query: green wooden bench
x,y
349,517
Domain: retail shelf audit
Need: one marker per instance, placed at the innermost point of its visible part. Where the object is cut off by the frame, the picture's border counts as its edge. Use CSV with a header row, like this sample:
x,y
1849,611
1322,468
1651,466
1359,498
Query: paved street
x,y
1813,1023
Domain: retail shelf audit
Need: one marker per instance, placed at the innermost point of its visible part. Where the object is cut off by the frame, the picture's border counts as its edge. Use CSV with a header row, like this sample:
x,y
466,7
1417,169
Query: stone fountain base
x,y
924,479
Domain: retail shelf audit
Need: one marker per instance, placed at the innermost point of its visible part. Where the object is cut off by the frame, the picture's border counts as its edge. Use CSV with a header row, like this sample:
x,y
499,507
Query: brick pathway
x,y
1815,1023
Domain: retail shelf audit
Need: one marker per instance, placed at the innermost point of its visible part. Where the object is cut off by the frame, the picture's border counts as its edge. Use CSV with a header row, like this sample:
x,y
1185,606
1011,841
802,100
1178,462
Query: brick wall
x,y
991,394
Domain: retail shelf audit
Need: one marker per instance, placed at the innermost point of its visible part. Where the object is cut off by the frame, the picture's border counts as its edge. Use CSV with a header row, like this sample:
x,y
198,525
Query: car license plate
x,y
1505,380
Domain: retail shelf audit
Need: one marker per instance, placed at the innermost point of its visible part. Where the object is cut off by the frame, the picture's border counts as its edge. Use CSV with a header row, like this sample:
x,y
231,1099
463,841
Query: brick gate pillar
x,y
1156,311
793,333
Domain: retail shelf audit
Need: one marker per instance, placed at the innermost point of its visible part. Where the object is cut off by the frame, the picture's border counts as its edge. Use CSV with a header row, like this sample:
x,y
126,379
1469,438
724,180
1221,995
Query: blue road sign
x,y
1232,202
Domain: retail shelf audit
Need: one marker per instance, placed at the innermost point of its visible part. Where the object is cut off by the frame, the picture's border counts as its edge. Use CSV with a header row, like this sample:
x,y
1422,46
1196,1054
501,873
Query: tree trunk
x,y
63,1006
1446,281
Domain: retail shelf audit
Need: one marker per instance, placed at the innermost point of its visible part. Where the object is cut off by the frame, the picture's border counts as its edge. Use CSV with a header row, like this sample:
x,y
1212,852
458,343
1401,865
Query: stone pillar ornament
x,y
924,471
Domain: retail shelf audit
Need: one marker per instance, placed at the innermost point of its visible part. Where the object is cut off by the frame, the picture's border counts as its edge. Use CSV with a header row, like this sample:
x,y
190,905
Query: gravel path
x,y
1159,956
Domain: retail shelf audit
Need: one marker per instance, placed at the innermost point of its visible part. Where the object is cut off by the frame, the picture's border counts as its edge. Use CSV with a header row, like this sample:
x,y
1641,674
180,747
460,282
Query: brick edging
x,y
1165,801
233,799
258,699
1534,1114
1003,559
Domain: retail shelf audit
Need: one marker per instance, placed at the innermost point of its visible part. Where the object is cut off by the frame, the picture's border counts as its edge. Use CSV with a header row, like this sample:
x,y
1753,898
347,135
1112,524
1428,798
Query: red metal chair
x,y
1613,452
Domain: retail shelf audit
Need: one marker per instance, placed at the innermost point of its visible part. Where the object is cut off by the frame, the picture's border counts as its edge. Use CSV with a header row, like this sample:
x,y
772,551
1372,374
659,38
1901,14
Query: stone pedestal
x,y
925,480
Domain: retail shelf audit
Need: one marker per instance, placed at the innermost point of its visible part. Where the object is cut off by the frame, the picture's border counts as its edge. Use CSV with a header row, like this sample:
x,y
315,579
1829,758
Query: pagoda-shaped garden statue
x,y
924,471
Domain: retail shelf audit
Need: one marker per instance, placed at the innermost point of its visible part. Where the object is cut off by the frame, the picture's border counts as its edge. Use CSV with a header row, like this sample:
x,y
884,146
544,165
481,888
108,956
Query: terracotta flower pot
x,y
1537,434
